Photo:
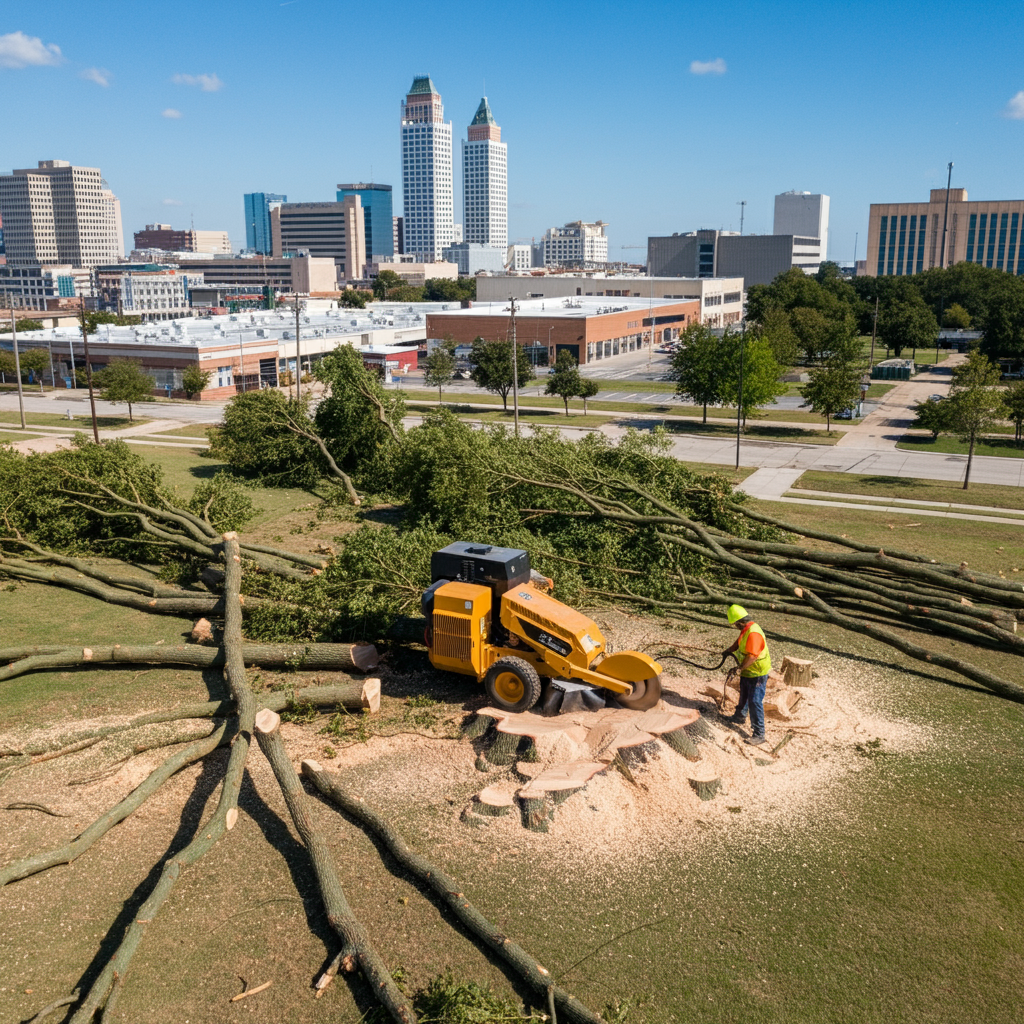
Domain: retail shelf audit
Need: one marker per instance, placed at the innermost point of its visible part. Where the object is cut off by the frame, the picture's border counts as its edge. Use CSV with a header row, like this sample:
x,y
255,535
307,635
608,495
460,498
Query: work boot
x,y
755,741
737,719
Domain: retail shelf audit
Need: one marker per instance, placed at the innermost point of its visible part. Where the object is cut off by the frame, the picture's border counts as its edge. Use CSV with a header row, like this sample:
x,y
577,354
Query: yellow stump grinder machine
x,y
488,616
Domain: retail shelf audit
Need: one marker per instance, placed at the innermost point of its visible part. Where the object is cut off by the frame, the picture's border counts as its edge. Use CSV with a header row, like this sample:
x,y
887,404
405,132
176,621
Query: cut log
x,y
202,632
780,703
370,695
326,657
796,671
492,802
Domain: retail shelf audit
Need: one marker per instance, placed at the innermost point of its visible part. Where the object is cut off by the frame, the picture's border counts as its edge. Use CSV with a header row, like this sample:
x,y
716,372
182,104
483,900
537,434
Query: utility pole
x,y
742,204
241,357
17,366
88,377
739,400
298,351
856,236
945,217
515,371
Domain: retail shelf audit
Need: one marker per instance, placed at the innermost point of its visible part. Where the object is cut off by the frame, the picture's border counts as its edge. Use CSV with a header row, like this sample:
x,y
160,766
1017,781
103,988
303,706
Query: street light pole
x,y
515,371
17,366
88,377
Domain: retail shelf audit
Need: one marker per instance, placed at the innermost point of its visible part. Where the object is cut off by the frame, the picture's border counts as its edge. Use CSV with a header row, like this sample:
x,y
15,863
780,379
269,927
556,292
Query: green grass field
x,y
1006,448
82,420
996,495
795,435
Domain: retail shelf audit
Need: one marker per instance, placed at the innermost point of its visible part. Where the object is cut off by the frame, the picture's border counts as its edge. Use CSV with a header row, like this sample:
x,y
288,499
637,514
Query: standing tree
x,y
811,328
440,368
775,328
1003,322
565,381
492,367
905,324
831,389
351,298
36,360
975,402
124,381
384,282
956,317
761,374
588,388
1013,400
933,416
195,380
697,367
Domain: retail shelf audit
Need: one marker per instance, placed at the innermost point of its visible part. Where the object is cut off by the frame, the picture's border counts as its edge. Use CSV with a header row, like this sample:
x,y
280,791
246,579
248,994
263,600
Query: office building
x,y
590,329
57,214
757,259
163,236
485,181
160,293
428,199
257,207
377,214
719,299
305,275
804,215
577,244
398,235
44,287
473,258
3,256
335,230
413,273
907,238
519,257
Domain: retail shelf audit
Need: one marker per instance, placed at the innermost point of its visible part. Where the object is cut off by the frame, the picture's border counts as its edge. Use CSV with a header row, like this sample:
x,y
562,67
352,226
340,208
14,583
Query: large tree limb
x,y
340,915
535,975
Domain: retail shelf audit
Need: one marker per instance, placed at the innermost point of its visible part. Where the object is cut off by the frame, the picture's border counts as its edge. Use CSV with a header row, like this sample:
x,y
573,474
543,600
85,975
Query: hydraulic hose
x,y
694,664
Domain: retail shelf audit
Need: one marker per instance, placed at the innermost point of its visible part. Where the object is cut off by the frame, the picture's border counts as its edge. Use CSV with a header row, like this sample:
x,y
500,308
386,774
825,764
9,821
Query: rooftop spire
x,y
483,114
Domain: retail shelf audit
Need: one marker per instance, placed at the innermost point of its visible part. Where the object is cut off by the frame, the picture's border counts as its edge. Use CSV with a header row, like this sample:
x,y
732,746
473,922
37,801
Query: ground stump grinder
x,y
488,616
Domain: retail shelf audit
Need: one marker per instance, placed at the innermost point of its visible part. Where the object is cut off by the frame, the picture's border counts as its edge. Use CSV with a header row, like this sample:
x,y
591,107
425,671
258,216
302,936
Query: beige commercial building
x,y
414,274
301,274
57,214
720,298
907,238
336,230
163,236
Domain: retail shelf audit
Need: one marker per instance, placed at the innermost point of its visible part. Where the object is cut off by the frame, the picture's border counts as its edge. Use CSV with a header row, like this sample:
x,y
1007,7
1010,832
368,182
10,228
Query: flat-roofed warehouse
x,y
590,328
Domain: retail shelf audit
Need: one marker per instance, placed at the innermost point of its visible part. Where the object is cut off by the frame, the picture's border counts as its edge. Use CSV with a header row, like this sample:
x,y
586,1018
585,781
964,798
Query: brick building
x,y
590,328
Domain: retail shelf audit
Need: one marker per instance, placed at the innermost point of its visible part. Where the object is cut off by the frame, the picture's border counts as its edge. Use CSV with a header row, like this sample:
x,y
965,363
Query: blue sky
x,y
655,117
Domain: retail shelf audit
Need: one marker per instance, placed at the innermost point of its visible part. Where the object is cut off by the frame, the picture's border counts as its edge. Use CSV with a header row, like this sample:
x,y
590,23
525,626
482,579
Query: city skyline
x,y
710,115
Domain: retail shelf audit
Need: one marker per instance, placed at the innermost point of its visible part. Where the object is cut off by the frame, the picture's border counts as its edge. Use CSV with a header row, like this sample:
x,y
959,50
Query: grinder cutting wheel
x,y
488,617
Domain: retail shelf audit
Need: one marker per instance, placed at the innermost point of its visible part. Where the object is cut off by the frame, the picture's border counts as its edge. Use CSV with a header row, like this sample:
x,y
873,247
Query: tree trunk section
x,y
339,914
797,671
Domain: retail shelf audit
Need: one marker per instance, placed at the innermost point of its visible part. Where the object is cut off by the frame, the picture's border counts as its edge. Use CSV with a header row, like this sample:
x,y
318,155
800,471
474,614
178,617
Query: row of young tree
x,y
493,369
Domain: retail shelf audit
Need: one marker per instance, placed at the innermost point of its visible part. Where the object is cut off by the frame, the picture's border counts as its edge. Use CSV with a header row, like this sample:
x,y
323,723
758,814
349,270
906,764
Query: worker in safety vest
x,y
751,652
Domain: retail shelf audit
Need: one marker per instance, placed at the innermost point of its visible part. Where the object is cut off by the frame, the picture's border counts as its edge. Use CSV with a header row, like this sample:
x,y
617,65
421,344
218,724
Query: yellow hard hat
x,y
735,613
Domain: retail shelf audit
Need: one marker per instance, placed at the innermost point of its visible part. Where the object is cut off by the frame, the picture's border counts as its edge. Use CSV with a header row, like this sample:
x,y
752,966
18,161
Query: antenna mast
x,y
742,204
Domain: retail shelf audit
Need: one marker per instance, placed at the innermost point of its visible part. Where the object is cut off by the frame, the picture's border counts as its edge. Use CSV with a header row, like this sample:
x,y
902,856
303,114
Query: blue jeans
x,y
752,693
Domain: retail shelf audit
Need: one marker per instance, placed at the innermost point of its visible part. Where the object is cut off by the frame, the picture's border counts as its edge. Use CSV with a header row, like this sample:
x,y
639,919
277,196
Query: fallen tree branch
x,y
537,976
340,915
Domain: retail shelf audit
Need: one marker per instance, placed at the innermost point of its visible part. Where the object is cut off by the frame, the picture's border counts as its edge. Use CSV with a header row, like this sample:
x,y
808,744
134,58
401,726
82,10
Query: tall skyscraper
x,y
485,181
376,200
56,214
427,172
257,219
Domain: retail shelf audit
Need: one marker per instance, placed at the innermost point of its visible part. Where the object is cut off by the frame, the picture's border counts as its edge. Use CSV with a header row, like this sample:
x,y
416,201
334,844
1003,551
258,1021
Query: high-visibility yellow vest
x,y
763,665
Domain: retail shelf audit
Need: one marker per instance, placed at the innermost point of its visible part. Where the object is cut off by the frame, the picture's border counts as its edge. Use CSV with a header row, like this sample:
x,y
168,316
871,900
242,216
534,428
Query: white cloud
x,y
208,83
173,202
171,113
708,67
101,76
18,50
1015,108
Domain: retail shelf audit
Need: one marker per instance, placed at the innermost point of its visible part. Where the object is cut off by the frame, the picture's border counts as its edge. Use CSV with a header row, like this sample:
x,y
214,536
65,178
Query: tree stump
x,y
492,803
706,789
781,703
681,743
504,749
699,729
796,671
477,726
202,632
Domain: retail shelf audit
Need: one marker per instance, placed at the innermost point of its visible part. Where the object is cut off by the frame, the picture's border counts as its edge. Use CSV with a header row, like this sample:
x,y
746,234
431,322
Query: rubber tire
x,y
528,677
645,695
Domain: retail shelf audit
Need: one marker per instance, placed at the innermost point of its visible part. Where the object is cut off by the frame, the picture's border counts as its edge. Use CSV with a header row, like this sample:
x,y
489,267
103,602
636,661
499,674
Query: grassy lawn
x,y
1003,447
82,420
192,430
19,435
529,397
912,507
894,893
552,418
997,495
796,435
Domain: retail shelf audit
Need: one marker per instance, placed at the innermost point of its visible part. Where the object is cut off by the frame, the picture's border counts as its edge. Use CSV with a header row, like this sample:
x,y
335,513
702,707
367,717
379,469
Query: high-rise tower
x,y
485,181
257,219
427,172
